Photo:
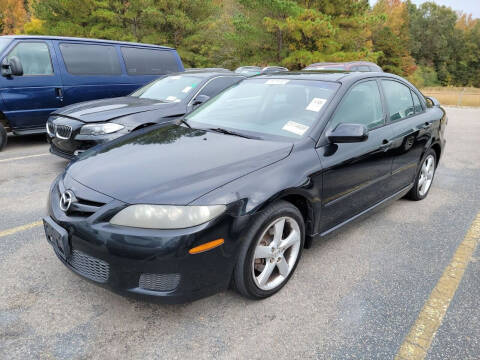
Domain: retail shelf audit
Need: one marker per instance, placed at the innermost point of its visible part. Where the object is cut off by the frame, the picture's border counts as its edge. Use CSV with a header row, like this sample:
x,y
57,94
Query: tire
x,y
278,265
424,179
3,137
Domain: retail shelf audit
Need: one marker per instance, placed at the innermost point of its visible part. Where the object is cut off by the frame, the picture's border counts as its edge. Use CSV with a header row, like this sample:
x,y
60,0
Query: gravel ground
x,y
355,295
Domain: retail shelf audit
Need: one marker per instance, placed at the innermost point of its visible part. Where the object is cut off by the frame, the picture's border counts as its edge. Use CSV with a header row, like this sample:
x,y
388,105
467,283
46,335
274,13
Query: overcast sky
x,y
467,6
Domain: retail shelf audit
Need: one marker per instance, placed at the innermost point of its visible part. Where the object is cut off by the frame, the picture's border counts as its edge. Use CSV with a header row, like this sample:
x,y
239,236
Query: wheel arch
x,y
438,151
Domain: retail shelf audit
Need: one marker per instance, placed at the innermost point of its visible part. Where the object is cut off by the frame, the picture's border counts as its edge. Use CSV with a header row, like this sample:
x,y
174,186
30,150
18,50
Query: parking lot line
x,y
20,228
23,157
417,343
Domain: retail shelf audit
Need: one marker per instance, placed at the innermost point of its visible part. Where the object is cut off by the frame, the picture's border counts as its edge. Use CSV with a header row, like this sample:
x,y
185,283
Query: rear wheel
x,y
424,179
3,137
271,251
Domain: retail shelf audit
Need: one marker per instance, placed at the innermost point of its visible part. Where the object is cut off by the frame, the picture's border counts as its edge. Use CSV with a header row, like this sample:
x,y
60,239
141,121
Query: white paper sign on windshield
x,y
316,104
171,98
187,89
295,127
176,77
277,81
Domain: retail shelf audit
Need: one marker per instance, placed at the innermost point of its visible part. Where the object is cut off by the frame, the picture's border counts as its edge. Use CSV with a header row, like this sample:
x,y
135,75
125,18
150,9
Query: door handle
x,y
385,145
426,125
59,93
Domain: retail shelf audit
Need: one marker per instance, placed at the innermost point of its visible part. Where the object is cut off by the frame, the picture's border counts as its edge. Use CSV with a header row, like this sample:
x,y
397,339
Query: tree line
x,y
429,44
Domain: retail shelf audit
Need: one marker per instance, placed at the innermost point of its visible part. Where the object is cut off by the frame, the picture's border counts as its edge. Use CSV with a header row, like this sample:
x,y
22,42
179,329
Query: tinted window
x,y
399,99
363,68
218,84
149,61
416,103
362,105
34,56
87,59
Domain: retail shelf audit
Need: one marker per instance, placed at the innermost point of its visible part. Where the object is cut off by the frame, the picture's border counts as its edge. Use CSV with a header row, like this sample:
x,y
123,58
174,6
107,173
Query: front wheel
x,y
271,251
424,178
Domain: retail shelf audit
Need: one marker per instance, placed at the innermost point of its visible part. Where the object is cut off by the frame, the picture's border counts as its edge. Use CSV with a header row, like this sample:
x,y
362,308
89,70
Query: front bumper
x,y
143,263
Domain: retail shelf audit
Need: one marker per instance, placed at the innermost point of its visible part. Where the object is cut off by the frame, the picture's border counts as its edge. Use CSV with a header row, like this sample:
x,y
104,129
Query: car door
x,y
30,98
355,174
411,131
215,86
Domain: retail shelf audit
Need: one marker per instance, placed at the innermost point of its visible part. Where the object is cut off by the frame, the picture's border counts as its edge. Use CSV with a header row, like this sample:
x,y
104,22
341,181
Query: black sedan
x,y
234,192
76,128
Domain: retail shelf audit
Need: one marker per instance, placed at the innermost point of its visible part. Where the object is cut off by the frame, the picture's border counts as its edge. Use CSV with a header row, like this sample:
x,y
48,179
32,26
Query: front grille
x,y
63,131
89,266
159,282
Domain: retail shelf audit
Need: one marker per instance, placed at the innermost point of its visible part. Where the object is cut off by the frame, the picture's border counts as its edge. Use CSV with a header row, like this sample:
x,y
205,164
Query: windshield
x,y
248,71
4,43
326,67
174,88
276,107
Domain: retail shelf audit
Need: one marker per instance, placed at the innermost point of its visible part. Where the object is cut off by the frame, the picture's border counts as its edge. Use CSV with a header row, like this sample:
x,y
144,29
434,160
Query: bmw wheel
x,y
271,251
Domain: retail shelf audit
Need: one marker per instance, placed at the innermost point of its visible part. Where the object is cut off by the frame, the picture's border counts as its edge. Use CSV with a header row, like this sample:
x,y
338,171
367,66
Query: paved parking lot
x,y
355,295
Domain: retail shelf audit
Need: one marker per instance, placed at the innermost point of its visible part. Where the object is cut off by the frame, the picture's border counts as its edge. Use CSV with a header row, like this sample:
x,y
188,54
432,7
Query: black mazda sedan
x,y
78,127
232,193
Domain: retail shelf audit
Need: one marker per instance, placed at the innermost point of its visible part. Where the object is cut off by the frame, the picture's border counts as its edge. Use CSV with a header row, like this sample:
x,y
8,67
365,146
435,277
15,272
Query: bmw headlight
x,y
100,129
166,216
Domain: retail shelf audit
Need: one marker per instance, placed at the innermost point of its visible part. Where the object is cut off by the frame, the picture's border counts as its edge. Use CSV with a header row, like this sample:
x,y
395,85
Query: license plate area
x,y
57,237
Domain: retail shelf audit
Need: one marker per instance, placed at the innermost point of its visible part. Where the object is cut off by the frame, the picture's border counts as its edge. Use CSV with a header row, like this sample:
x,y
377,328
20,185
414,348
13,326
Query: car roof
x,y
66,38
359,62
325,75
206,74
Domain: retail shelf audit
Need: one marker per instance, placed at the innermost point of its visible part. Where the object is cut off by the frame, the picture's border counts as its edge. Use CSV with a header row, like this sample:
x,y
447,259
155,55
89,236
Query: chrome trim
x,y
67,131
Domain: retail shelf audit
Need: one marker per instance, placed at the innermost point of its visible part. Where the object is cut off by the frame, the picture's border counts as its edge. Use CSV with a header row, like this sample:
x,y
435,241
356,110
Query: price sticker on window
x,y
187,89
277,81
295,128
316,104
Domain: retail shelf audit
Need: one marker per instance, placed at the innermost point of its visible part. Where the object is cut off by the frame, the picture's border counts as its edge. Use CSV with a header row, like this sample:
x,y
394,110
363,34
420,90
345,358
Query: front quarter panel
x,y
293,175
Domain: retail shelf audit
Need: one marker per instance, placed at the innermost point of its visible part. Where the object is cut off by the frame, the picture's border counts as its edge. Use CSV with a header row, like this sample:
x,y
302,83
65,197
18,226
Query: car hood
x,y
171,164
109,109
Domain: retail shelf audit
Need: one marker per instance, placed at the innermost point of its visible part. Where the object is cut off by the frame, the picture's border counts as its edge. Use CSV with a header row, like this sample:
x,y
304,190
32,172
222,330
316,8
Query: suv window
x,y
362,105
363,68
398,98
219,84
34,56
149,61
416,103
89,59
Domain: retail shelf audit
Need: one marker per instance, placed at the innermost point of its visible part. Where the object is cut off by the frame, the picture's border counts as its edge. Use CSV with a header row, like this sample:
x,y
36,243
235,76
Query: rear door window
x,y
219,84
141,61
399,100
90,59
34,56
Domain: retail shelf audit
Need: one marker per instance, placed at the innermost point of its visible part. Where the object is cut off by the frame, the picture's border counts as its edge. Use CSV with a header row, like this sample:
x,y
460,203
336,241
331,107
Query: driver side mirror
x,y
348,133
200,99
12,67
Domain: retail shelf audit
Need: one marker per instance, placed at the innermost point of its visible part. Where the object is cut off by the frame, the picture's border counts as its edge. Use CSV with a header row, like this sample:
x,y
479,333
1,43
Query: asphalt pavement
x,y
355,295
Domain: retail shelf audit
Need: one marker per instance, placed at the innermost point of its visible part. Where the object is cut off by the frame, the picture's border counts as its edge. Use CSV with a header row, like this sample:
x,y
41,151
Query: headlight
x,y
166,216
100,129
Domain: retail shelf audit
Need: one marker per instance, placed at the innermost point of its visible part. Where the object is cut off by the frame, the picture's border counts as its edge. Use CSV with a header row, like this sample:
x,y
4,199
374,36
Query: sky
x,y
467,6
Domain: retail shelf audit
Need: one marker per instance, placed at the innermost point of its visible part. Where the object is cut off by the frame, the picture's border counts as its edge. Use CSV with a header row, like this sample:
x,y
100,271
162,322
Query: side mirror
x,y
431,101
12,67
348,133
200,99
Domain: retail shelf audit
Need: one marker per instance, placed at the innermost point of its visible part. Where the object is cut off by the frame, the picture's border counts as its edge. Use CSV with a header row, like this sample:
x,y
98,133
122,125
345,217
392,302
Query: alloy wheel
x,y
426,175
276,253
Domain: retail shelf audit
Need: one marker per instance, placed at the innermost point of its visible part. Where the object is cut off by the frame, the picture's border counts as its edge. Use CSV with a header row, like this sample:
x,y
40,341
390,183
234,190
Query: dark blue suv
x,y
43,73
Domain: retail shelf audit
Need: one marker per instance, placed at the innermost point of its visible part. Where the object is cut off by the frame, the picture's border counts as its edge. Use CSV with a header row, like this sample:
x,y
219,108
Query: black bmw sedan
x,y
78,127
232,193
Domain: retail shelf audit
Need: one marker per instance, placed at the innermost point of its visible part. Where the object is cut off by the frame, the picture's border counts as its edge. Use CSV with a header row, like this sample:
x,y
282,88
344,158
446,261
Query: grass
x,y
454,95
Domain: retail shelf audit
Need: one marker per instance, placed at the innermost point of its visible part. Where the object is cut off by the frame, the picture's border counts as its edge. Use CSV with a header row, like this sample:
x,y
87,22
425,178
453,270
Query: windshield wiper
x,y
182,121
234,133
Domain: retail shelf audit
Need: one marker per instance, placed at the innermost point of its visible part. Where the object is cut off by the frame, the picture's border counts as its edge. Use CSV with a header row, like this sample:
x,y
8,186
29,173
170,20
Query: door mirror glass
x,y
348,133
12,67
200,99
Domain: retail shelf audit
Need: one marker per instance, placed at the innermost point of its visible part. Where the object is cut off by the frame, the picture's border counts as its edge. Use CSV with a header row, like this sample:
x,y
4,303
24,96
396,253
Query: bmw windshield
x,y
266,107
172,88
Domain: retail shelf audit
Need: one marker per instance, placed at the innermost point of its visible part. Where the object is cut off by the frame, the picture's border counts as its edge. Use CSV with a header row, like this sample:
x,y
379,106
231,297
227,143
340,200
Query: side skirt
x,y
361,215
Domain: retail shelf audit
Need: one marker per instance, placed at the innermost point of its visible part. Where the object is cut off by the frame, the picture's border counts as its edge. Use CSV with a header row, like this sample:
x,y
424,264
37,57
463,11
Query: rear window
x,y
149,61
89,59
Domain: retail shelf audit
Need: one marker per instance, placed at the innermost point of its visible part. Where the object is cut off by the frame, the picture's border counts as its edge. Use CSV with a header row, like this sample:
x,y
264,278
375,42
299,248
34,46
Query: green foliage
x,y
430,44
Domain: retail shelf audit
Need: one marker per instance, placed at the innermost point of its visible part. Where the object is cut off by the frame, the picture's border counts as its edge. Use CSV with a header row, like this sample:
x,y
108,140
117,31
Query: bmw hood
x,y
171,164
109,109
